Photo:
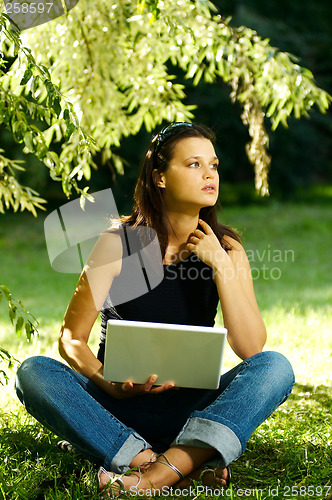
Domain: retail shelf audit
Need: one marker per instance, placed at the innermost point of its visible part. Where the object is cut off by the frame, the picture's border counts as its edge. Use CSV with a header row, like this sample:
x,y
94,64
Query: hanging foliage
x,y
101,72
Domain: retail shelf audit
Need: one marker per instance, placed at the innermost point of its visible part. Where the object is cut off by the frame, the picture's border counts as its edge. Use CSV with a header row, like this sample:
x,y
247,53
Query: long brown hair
x,y
149,209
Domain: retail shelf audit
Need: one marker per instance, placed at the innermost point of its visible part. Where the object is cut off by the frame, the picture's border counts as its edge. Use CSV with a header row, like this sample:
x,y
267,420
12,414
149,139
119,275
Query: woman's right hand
x,y
128,389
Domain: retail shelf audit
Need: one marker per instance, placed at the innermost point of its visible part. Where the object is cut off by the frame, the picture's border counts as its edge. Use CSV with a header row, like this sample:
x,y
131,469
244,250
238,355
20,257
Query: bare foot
x,y
154,474
145,457
209,476
112,485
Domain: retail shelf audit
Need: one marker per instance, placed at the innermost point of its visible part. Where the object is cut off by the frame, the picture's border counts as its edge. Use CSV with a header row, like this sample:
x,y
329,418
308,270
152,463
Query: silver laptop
x,y
189,356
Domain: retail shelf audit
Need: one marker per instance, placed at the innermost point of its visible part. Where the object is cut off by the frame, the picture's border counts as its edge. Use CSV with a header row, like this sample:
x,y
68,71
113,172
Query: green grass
x,y
288,453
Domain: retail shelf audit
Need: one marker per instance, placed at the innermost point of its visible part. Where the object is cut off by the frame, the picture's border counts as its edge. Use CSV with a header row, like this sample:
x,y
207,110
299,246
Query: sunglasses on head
x,y
168,132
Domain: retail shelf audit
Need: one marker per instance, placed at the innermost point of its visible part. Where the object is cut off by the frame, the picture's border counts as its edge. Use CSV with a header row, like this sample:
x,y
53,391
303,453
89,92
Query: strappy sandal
x,y
204,471
213,471
115,479
143,467
170,465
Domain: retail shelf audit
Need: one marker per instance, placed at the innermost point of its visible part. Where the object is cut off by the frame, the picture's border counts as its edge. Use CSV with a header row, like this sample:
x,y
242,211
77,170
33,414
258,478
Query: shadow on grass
x,y
33,467
292,448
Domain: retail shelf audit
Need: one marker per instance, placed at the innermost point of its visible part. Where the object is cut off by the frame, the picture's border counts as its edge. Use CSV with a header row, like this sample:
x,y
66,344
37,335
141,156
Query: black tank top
x,y
186,295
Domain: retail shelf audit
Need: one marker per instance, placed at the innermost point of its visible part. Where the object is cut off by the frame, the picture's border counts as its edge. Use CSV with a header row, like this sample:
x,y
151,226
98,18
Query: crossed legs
x,y
208,425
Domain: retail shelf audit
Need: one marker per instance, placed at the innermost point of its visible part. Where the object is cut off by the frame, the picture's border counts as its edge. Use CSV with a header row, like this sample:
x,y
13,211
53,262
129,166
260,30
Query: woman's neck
x,y
180,226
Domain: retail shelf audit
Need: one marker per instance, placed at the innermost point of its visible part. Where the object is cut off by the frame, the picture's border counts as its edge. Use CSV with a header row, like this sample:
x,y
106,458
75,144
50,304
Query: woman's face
x,y
191,180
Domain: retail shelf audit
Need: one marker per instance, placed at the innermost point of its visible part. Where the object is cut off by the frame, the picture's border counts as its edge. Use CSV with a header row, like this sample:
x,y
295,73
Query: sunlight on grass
x,y
305,338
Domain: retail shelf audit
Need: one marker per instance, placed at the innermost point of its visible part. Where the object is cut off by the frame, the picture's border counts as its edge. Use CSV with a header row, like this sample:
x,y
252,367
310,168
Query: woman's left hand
x,y
208,248
246,331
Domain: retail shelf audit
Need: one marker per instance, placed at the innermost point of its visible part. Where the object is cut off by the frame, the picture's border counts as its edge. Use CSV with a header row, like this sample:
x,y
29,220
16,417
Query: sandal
x,y
198,476
115,479
143,467
204,471
170,465
213,471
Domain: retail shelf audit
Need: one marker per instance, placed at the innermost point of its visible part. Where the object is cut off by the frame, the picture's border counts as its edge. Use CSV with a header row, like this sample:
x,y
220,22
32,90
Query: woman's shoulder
x,y
115,233
108,244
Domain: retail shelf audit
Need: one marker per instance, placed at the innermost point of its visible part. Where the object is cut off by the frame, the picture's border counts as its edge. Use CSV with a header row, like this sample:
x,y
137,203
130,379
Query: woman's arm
x,y
242,318
103,265
232,275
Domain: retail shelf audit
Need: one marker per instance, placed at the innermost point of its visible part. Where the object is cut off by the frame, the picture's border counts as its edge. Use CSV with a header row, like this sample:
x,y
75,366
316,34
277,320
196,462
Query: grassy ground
x,y
290,455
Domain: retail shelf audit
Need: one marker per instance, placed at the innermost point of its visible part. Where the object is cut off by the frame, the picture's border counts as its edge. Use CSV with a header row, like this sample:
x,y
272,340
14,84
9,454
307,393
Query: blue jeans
x,y
111,432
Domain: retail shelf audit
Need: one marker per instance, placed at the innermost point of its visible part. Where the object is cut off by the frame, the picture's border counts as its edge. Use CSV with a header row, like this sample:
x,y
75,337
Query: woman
x,y
164,436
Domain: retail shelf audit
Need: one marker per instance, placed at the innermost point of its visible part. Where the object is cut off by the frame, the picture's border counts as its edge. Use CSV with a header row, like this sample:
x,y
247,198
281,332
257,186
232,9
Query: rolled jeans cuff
x,y
132,444
204,433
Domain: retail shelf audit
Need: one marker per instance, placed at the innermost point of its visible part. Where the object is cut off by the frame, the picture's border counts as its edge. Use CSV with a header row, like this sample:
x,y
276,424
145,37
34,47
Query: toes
x,y
222,476
216,477
104,477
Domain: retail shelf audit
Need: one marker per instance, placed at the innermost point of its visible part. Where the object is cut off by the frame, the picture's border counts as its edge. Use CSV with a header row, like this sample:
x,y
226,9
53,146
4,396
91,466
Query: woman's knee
x,y
278,368
32,375
34,367
272,365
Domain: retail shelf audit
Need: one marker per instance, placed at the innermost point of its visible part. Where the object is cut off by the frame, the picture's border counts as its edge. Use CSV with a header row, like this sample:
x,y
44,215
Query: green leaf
x,y
19,325
12,313
19,128
35,83
56,106
28,140
52,159
46,71
26,77
5,354
28,330
66,116
6,292
70,130
50,89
